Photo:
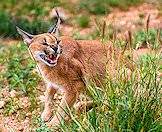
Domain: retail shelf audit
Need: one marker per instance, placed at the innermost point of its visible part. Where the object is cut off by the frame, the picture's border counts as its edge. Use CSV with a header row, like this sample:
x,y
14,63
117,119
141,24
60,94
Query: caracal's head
x,y
45,48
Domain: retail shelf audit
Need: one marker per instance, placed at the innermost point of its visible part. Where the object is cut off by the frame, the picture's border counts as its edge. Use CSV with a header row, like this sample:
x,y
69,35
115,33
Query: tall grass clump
x,y
124,105
151,38
126,102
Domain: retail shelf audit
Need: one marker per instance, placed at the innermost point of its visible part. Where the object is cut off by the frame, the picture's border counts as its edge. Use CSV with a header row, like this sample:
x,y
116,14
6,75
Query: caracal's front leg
x,y
68,100
49,93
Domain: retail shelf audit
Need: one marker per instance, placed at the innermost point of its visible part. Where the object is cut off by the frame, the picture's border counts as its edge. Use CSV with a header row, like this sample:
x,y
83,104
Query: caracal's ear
x,y
26,36
55,28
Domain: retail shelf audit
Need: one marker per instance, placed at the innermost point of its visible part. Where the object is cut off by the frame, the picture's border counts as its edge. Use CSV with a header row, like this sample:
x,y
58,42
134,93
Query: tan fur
x,y
80,62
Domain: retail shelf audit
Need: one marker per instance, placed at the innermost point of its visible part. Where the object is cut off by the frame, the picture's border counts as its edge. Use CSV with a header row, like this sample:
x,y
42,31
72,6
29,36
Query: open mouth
x,y
49,59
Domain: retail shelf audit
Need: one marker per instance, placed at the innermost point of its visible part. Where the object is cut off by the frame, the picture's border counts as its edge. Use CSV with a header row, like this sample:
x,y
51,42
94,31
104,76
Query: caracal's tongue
x,y
52,57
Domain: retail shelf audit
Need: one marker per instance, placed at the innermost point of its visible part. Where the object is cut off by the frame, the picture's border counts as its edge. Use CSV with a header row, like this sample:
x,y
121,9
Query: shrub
x,y
7,28
83,21
8,25
94,6
142,38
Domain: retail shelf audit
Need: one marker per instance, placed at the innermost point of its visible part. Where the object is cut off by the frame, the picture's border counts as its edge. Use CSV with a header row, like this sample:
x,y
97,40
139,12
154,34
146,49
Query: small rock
x,y
24,101
28,114
13,93
5,92
26,120
2,103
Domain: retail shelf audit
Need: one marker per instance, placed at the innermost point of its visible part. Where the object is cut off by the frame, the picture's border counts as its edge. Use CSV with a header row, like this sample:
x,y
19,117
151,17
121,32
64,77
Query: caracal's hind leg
x,y
49,93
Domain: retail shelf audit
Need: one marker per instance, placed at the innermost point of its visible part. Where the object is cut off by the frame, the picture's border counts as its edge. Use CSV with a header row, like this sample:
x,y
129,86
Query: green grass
x,y
19,69
31,8
94,6
42,127
33,16
83,21
143,38
99,7
120,105
29,15
8,25
19,75
133,105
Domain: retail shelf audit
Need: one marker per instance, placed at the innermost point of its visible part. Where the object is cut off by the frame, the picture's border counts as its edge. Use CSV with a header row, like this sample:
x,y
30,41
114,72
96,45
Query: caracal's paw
x,y
46,115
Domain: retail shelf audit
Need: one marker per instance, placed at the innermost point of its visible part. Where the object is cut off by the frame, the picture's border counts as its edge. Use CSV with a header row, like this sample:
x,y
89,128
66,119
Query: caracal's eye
x,y
45,42
55,49
45,51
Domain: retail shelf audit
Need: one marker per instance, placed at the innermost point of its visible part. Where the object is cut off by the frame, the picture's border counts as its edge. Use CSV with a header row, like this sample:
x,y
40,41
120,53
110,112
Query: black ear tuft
x,y
55,28
26,36
58,41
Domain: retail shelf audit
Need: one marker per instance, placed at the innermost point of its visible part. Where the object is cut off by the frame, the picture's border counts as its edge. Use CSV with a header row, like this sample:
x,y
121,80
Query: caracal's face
x,y
45,48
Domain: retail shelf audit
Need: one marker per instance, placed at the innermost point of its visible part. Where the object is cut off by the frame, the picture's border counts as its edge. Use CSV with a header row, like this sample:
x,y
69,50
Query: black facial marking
x,y
54,48
45,51
58,41
45,42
